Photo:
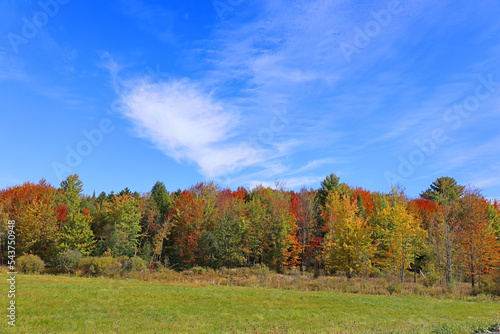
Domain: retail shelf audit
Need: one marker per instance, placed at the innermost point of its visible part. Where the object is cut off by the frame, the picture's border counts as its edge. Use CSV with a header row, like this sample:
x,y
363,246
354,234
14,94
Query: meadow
x,y
68,304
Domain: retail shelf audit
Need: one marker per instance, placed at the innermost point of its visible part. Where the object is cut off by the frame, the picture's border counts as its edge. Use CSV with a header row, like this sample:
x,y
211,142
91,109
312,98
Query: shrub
x,y
431,279
124,263
137,264
88,266
394,288
30,264
100,266
68,260
491,287
109,266
261,271
197,270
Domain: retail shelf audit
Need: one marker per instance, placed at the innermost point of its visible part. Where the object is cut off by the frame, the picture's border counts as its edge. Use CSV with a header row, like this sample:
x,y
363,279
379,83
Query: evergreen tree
x,y
328,185
361,207
72,189
76,233
160,196
443,191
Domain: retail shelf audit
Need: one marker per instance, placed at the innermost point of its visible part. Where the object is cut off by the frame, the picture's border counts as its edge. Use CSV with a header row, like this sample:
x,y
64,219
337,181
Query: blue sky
x,y
128,92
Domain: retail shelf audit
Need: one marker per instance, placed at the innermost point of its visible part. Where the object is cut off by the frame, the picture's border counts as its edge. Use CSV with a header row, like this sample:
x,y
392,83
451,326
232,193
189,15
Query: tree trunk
x,y
472,275
402,274
448,265
415,268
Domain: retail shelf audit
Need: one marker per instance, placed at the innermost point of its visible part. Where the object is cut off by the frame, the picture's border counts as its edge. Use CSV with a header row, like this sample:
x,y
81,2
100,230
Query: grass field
x,y
59,304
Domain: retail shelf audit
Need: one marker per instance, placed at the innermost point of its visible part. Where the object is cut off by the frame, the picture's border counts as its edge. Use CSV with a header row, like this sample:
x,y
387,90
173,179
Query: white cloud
x,y
487,182
186,123
315,164
288,55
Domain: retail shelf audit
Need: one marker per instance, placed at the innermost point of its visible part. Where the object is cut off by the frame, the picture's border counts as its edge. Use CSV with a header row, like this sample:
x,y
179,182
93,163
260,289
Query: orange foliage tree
x,y
479,247
34,208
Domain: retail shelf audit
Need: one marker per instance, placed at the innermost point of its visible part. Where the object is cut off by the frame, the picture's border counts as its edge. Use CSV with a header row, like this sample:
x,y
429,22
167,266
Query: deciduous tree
x,y
34,208
347,245
402,233
479,247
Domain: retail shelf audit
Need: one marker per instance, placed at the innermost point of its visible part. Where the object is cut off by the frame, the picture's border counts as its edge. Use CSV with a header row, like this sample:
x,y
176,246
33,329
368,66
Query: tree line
x,y
450,232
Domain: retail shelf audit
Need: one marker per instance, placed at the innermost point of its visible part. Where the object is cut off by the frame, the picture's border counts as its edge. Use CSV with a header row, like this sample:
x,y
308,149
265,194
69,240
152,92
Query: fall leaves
x,y
451,230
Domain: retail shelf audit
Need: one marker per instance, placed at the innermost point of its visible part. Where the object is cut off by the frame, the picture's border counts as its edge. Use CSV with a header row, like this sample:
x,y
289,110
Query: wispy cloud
x,y
276,54
186,123
153,19
486,182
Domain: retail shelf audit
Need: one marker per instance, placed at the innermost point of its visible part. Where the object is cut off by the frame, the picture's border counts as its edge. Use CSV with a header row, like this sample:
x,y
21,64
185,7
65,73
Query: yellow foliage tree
x,y
347,245
402,234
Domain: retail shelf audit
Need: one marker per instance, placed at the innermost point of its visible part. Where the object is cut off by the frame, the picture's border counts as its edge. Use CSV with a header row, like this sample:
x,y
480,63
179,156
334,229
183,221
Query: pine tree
x,y
444,191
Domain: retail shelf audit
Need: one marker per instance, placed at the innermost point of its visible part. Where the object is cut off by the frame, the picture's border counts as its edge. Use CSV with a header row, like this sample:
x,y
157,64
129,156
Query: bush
x,y
100,266
197,270
131,264
137,264
30,264
394,288
261,271
124,263
68,260
490,287
431,279
87,266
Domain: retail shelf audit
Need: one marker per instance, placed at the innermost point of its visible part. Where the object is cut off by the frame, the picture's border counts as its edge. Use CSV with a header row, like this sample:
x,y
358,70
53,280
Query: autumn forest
x,y
450,233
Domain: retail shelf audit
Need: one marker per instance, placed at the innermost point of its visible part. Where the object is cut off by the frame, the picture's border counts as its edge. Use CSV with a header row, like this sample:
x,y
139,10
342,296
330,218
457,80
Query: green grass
x,y
58,304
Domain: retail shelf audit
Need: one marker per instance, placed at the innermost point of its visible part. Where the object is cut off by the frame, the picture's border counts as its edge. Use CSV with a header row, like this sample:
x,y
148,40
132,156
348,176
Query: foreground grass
x,y
58,304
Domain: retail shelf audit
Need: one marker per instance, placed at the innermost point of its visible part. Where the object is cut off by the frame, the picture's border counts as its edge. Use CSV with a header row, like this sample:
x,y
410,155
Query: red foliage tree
x,y
187,215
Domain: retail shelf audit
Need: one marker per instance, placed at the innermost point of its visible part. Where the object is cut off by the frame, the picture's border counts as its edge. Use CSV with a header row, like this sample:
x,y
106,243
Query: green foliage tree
x,y
77,233
161,197
444,191
72,189
278,226
223,240
361,207
330,184
494,217
121,225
